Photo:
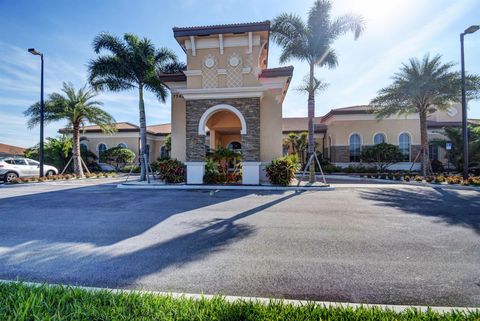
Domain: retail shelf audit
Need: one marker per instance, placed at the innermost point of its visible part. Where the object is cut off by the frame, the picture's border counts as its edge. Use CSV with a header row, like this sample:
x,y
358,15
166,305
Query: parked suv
x,y
13,167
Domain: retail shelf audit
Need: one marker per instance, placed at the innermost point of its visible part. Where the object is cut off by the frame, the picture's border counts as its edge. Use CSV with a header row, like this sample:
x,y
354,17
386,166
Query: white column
x,y
195,172
251,173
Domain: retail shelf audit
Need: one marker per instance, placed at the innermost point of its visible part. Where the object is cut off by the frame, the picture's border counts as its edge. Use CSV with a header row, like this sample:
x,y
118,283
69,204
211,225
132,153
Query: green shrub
x,y
131,168
281,171
171,171
406,178
331,169
439,179
382,155
418,178
118,156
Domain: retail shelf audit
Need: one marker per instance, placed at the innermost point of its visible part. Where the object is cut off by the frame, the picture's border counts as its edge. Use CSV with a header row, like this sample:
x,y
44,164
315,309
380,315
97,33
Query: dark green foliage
x,y
455,137
57,152
222,166
118,156
281,171
171,170
381,155
22,302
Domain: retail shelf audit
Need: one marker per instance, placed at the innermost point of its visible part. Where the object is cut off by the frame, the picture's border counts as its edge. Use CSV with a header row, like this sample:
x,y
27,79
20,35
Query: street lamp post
x,y
42,109
470,29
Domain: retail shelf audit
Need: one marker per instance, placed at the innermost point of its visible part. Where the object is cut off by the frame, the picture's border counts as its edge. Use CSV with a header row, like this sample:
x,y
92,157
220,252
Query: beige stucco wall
x,y
178,128
271,137
251,60
453,114
130,139
94,140
340,131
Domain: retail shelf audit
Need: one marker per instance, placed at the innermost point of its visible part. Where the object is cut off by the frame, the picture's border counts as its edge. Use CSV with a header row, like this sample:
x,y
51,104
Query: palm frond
x,y
108,42
348,23
154,84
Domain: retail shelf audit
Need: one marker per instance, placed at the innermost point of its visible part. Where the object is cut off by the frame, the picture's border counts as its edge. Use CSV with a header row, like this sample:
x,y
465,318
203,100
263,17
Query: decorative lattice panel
x,y
234,71
209,72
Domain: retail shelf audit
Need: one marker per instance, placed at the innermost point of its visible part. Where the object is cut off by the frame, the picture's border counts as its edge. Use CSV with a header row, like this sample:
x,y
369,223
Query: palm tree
x,y
311,42
423,86
132,63
292,141
77,107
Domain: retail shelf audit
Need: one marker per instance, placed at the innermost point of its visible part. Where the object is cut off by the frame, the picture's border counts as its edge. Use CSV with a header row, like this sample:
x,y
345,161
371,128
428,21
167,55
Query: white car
x,y
14,167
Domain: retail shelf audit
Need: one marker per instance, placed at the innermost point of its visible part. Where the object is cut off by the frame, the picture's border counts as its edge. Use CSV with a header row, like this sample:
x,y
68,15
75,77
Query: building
x,y
127,135
228,97
9,150
229,92
340,135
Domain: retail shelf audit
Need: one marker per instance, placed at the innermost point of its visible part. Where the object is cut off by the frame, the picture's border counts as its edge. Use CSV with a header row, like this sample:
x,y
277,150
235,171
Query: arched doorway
x,y
223,128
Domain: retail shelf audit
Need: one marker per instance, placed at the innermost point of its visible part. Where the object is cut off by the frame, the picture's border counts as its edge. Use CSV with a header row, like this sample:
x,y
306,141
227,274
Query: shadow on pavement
x,y
450,206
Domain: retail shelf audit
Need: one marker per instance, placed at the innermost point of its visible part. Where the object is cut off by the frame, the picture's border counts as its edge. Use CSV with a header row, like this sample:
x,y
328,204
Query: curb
x,y
225,187
265,301
390,182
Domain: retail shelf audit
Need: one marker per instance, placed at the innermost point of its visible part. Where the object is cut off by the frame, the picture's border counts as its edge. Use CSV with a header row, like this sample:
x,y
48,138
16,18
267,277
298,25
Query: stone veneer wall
x,y
250,109
340,154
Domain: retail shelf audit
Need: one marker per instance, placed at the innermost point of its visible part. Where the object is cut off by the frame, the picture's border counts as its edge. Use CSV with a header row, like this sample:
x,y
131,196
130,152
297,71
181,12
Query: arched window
x,y
379,138
235,146
355,144
404,145
102,148
83,147
122,145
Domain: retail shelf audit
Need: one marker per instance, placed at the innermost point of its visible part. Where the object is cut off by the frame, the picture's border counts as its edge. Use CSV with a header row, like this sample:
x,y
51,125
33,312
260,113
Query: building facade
x,y
229,93
228,97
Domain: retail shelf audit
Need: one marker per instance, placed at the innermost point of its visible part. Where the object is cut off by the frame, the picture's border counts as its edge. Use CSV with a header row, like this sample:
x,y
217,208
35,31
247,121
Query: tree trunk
x,y
311,119
77,158
424,143
143,135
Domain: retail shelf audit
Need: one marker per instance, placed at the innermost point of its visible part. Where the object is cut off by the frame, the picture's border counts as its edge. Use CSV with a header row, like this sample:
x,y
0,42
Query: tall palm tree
x,y
311,41
423,86
132,63
77,107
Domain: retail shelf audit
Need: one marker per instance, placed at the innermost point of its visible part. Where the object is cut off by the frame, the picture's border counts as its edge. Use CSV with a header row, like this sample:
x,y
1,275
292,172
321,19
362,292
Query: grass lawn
x,y
24,302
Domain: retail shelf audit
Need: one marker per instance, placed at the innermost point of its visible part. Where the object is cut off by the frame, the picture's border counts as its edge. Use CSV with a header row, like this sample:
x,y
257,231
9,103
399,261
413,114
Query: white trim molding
x,y
212,110
384,136
221,93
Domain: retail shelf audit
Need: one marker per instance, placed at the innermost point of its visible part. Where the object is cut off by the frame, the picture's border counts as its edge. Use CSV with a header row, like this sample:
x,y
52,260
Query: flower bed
x,y
60,177
433,179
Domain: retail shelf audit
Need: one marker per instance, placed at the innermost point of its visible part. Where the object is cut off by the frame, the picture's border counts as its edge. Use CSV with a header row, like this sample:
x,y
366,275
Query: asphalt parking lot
x,y
370,244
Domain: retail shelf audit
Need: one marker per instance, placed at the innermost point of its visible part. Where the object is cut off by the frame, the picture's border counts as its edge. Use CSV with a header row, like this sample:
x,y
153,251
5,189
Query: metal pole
x,y
464,112
42,111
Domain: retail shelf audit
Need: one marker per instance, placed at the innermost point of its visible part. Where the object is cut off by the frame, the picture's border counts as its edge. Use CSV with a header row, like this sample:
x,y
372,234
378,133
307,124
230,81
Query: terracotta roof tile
x,y
11,150
160,129
222,28
286,71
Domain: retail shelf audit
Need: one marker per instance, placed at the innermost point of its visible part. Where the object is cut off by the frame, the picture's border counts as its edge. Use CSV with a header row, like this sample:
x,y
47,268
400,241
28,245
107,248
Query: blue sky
x,y
63,31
